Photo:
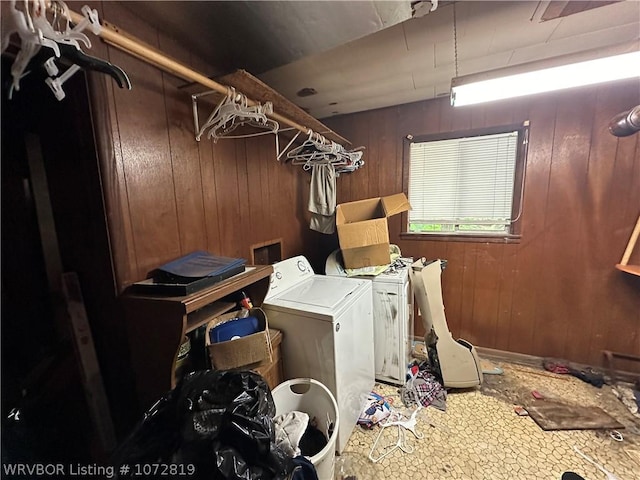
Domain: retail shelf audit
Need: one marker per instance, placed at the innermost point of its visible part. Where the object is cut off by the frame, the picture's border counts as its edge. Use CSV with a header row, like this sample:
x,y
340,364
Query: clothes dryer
x,y
392,317
328,334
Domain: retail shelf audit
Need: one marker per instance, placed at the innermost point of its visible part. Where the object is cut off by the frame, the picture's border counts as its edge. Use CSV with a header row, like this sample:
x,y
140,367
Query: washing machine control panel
x,y
288,273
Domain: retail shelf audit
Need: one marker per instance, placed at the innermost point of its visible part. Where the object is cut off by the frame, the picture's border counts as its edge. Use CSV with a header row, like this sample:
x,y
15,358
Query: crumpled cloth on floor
x,y
424,388
555,366
290,428
588,375
629,397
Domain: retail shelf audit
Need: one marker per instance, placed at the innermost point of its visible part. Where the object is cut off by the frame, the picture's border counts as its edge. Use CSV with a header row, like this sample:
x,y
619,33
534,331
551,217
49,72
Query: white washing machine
x,y
328,334
392,318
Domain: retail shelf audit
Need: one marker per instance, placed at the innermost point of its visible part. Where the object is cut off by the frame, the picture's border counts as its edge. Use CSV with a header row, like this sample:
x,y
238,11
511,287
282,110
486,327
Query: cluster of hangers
x,y
317,150
234,111
38,26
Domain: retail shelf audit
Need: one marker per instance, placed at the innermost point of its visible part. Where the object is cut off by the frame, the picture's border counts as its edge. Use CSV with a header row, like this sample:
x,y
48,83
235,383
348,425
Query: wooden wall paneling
x,y
142,125
529,256
185,161
227,196
283,180
268,165
623,317
295,196
504,317
486,292
466,320
242,227
447,113
207,170
601,218
360,179
374,167
257,193
209,196
564,298
390,156
109,152
478,115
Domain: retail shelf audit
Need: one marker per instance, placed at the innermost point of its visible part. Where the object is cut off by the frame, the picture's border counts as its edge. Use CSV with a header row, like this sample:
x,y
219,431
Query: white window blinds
x,y
462,184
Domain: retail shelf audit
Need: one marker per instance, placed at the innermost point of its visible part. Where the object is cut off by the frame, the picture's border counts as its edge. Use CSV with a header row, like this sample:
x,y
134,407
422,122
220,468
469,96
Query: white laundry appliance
x,y
328,334
392,317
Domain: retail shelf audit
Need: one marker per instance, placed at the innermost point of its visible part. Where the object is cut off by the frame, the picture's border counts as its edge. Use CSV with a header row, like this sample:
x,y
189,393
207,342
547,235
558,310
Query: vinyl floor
x,y
480,437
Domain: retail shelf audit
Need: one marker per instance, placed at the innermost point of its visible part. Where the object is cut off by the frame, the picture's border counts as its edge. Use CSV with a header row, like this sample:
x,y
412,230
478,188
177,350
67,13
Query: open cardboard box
x,y
363,231
244,351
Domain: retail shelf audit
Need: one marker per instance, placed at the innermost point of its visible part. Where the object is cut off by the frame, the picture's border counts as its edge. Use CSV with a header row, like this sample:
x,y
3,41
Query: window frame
x,y
518,184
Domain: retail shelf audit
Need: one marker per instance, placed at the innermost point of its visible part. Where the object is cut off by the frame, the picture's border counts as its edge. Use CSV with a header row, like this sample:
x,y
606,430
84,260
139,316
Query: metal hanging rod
x,y
112,36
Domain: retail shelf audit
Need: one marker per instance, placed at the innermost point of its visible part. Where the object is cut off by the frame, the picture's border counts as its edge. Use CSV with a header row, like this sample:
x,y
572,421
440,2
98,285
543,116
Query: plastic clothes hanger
x,y
255,116
87,62
67,35
215,116
64,41
238,112
402,425
31,39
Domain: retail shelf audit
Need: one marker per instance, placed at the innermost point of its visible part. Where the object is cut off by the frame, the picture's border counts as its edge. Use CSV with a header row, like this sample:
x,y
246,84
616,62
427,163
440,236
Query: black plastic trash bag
x,y
219,422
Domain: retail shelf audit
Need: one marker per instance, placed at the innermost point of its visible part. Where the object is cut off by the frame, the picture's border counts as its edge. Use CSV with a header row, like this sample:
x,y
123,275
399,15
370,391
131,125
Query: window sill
x,y
461,237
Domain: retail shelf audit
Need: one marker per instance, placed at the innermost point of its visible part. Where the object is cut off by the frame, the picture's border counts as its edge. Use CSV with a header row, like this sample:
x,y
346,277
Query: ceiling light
x,y
493,85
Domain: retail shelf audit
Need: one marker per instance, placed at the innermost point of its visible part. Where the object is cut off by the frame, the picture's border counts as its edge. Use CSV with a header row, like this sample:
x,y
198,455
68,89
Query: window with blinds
x,y
464,185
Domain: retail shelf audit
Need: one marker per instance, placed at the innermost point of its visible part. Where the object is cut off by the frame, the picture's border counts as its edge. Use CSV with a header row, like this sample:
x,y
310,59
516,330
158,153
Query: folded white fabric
x,y
289,430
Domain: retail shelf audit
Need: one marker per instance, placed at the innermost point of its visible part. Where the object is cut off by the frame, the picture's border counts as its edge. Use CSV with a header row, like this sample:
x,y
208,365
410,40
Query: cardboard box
x,y
363,231
244,351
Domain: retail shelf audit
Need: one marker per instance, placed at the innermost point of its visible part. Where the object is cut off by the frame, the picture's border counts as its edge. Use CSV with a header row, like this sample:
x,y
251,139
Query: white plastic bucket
x,y
316,401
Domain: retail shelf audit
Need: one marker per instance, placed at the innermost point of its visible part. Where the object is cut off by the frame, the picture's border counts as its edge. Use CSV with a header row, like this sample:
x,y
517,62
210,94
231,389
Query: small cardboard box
x,y
363,231
247,350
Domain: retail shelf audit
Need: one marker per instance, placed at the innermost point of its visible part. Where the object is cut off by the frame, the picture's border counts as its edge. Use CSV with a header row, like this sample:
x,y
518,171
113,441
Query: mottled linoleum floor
x,y
480,437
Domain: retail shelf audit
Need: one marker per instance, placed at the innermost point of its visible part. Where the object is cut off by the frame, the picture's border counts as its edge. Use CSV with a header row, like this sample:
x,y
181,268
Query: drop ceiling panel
x,y
427,30
607,17
566,46
483,64
425,77
358,55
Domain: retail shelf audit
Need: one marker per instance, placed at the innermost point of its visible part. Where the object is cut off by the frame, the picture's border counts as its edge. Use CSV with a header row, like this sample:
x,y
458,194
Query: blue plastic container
x,y
236,327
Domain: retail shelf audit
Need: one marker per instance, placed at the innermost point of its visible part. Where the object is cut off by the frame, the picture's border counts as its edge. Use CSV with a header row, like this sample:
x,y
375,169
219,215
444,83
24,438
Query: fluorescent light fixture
x,y
465,91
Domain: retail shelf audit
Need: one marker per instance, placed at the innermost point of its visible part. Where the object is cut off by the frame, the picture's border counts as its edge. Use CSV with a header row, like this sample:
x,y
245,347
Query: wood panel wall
x,y
556,292
168,195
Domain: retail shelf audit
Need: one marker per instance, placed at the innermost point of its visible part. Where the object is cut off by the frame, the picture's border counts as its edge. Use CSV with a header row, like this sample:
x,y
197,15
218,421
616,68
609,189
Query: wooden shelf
x,y
157,326
205,314
257,90
632,269
624,262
